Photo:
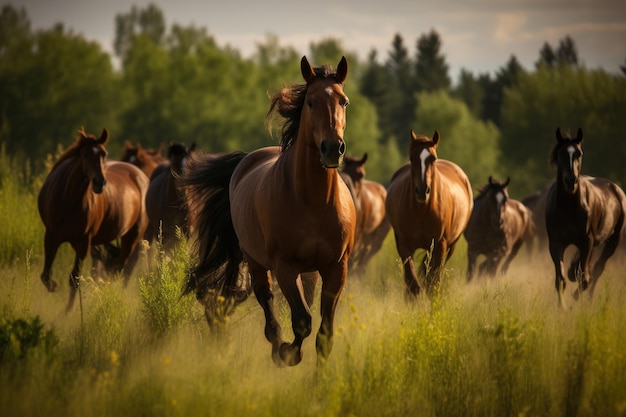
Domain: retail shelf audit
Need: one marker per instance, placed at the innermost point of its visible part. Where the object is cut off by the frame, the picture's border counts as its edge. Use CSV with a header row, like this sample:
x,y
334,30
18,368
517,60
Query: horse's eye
x,y
309,103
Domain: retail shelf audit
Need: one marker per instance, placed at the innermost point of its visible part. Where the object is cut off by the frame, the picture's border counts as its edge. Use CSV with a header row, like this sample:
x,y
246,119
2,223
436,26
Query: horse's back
x,y
376,195
610,205
458,200
122,203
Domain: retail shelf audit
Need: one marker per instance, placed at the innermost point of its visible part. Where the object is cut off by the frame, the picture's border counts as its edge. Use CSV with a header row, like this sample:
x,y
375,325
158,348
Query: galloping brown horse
x,y
86,201
429,202
145,159
165,202
497,229
372,224
282,209
583,211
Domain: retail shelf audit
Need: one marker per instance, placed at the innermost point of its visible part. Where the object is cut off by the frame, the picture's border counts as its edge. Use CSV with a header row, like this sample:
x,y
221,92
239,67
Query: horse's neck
x,y
73,182
312,182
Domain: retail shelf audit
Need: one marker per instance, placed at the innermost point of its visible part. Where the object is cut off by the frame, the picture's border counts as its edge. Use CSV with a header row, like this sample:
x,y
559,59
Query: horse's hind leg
x,y
262,286
129,254
333,279
512,255
609,249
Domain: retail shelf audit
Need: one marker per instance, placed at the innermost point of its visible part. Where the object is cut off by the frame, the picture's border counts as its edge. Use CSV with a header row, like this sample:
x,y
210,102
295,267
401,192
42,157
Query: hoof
x,y
290,355
50,285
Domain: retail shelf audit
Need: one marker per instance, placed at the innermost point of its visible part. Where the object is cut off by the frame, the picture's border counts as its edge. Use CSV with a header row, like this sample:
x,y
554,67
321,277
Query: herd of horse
x,y
302,211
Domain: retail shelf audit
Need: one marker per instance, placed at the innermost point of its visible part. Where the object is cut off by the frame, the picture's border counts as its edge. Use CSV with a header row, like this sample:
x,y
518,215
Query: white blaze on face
x,y
570,151
423,156
500,197
329,91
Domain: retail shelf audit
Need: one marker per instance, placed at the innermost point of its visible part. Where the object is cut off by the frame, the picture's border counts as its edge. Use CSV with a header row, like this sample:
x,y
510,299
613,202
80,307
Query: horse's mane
x,y
288,102
73,150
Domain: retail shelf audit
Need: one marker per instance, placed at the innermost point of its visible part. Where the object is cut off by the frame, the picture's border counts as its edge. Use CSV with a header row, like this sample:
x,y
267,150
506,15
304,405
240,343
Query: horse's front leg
x,y
472,255
434,262
262,287
51,246
585,251
410,276
81,249
333,280
556,252
291,286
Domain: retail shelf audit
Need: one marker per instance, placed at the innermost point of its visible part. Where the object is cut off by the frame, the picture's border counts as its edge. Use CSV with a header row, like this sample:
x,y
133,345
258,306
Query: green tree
x,y
401,87
431,69
52,84
148,22
471,92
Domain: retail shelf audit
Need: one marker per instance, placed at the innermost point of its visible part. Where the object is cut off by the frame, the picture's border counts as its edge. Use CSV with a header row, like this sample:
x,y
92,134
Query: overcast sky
x,y
478,35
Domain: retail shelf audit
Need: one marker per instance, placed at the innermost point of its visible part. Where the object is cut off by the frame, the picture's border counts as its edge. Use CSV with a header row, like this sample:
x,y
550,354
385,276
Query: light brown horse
x,y
586,212
498,227
145,159
429,202
372,224
86,200
281,209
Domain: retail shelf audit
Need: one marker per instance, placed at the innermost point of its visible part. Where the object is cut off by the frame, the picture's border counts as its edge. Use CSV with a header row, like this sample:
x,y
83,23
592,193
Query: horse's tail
x,y
206,185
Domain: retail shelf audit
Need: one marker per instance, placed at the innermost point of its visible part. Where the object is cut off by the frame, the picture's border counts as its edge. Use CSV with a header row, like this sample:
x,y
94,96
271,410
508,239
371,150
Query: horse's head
x,y
355,167
567,155
93,155
324,110
423,154
496,195
177,154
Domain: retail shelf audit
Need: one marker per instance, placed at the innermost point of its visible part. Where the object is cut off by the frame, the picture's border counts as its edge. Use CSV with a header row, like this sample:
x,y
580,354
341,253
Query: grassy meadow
x,y
490,348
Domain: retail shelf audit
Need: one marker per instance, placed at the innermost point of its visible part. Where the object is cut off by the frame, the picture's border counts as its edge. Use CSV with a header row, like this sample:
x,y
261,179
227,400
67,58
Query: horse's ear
x,y
364,158
579,136
436,137
490,180
308,73
413,136
559,138
104,136
127,144
342,70
506,183
192,147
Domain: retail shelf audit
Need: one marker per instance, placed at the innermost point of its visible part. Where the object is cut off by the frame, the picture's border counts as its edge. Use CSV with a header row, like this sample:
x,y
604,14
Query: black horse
x,y
582,211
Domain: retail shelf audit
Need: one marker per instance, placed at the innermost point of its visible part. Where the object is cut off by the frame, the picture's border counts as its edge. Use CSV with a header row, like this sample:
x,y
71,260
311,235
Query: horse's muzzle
x,y
331,153
570,183
422,194
98,184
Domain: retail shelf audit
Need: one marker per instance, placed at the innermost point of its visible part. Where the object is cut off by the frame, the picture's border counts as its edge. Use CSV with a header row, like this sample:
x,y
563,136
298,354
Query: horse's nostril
x,y
427,190
323,148
342,148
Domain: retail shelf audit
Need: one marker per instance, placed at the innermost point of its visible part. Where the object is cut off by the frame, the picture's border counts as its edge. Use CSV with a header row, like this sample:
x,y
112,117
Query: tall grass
x,y
492,348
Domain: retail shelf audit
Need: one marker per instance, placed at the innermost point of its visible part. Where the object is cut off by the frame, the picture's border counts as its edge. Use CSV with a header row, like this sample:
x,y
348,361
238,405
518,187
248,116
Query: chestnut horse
x,y
583,211
372,224
497,229
429,203
165,202
146,159
86,201
281,209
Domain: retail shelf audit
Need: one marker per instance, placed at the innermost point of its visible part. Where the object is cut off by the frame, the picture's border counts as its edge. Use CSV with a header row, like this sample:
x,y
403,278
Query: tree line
x,y
177,84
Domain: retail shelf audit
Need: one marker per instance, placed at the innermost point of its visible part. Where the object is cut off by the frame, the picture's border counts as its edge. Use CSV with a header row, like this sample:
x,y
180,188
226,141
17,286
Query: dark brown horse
x,y
429,202
497,229
281,209
372,224
146,159
582,211
86,200
165,202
